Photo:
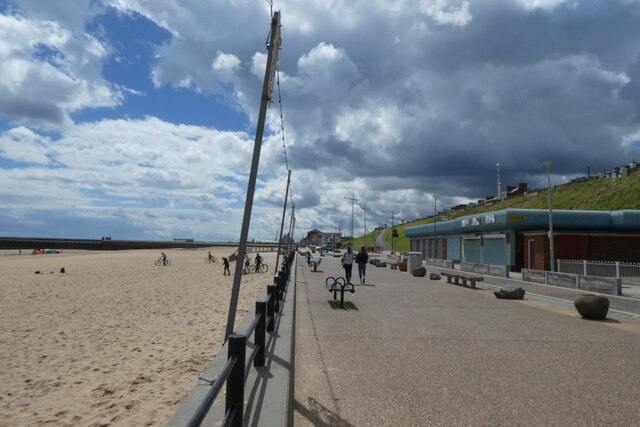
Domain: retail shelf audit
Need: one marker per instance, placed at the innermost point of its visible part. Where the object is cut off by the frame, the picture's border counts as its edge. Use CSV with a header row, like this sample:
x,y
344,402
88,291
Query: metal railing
x,y
629,272
237,369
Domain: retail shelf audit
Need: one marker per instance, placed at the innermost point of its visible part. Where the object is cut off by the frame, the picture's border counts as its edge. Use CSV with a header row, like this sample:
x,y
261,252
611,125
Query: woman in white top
x,y
347,263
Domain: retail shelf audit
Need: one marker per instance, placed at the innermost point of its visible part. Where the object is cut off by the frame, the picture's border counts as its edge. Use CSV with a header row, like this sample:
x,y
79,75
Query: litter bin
x,y
414,261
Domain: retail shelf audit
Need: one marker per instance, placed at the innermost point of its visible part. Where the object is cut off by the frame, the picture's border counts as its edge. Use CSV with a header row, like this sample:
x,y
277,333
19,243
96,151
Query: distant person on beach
x,y
347,263
210,256
361,259
258,261
225,261
247,263
164,258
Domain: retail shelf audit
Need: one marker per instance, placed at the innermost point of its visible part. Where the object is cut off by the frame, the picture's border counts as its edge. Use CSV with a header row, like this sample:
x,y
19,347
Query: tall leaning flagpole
x,y
284,213
269,74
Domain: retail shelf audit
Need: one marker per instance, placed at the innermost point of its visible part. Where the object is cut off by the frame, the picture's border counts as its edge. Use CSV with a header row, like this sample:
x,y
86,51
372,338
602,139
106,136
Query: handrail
x,y
263,321
211,395
253,325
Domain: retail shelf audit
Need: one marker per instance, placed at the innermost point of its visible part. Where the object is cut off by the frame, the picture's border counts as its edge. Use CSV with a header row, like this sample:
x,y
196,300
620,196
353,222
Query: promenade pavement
x,y
410,351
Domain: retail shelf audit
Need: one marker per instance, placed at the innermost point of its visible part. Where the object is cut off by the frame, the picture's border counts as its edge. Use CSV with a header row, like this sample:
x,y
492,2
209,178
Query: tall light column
x,y
547,163
435,234
498,171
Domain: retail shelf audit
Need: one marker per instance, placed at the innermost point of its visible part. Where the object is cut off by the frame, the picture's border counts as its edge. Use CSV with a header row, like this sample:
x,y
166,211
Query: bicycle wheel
x,y
252,269
264,268
214,259
167,262
158,262
207,260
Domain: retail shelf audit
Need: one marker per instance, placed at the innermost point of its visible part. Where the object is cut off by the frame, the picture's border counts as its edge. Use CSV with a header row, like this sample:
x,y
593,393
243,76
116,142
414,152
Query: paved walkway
x,y
411,351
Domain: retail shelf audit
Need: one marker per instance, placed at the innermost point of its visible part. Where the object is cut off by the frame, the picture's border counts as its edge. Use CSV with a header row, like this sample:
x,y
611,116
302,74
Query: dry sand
x,y
115,340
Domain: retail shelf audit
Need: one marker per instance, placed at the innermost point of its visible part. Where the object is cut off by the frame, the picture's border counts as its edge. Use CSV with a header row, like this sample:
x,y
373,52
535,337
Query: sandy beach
x,y
115,340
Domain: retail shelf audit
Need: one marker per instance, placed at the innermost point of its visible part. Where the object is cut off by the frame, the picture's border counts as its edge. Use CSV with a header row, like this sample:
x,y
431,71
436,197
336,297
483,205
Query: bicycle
x,y
213,259
263,269
165,263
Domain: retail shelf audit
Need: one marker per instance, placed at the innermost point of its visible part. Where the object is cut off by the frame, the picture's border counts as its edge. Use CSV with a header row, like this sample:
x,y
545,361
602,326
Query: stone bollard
x,y
594,307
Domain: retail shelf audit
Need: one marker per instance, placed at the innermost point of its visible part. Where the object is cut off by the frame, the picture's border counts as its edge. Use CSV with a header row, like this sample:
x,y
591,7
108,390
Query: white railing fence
x,y
629,272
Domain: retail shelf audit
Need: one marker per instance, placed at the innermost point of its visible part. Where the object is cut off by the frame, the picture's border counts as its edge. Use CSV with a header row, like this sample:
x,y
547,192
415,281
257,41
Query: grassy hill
x,y
596,194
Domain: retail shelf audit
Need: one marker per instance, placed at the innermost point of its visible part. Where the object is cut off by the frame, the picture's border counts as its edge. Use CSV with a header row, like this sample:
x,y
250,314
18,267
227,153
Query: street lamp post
x,y
547,163
435,234
498,172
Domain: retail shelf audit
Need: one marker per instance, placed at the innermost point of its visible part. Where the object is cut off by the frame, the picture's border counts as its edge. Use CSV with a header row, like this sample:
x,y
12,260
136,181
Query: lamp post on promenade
x,y
498,172
547,164
435,234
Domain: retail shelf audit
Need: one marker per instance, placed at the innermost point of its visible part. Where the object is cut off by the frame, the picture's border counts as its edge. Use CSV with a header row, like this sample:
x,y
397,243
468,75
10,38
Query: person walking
x,y
347,263
247,263
361,259
225,261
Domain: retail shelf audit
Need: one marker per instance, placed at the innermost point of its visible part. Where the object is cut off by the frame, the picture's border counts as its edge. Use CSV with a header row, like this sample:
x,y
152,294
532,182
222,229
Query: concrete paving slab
x,y
412,351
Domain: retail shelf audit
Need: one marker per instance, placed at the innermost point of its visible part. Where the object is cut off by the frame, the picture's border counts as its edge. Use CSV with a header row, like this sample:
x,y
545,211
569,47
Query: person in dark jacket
x,y
361,259
225,261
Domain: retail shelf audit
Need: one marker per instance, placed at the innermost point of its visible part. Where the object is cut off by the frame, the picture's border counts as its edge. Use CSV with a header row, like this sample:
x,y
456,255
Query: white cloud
x,y
49,73
444,13
225,65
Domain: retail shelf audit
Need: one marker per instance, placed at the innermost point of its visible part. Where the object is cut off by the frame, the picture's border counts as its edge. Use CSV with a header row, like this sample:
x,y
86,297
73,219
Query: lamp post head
x,y
547,163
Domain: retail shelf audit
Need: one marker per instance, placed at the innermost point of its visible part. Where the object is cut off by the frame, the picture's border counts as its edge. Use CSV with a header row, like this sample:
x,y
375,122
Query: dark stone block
x,y
593,307
434,276
381,264
510,292
420,272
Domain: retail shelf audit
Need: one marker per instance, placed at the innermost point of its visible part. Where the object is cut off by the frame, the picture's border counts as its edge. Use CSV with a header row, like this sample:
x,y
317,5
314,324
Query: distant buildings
x,y
518,238
318,238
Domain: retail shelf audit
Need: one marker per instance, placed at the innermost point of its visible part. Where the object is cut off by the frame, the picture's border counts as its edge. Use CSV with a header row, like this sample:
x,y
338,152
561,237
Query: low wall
x,y
605,285
491,270
444,263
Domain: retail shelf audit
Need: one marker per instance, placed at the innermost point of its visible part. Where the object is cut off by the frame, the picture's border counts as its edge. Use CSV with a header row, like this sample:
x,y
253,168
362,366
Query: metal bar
x,y
247,368
228,418
235,382
260,335
211,395
252,326
271,290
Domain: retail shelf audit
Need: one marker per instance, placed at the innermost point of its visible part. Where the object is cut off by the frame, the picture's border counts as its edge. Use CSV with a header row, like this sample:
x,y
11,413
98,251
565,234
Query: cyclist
x,y
164,258
258,262
210,257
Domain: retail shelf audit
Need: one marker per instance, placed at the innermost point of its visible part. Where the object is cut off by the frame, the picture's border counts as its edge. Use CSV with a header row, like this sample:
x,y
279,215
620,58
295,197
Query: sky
x,y
137,119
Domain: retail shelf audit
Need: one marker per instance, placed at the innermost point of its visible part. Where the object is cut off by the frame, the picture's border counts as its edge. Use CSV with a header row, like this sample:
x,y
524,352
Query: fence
x,y
606,285
235,372
627,271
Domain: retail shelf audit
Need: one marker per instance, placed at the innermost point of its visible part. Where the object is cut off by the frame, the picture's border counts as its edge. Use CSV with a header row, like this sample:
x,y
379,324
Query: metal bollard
x,y
259,334
235,381
271,291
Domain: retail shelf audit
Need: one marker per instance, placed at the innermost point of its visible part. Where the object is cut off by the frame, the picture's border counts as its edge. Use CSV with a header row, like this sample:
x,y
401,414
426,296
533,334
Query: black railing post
x,y
235,381
271,294
283,283
259,334
276,302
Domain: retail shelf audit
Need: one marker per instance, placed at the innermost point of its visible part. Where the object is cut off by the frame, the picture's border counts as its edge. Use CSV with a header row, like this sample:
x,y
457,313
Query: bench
x,y
462,277
339,285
